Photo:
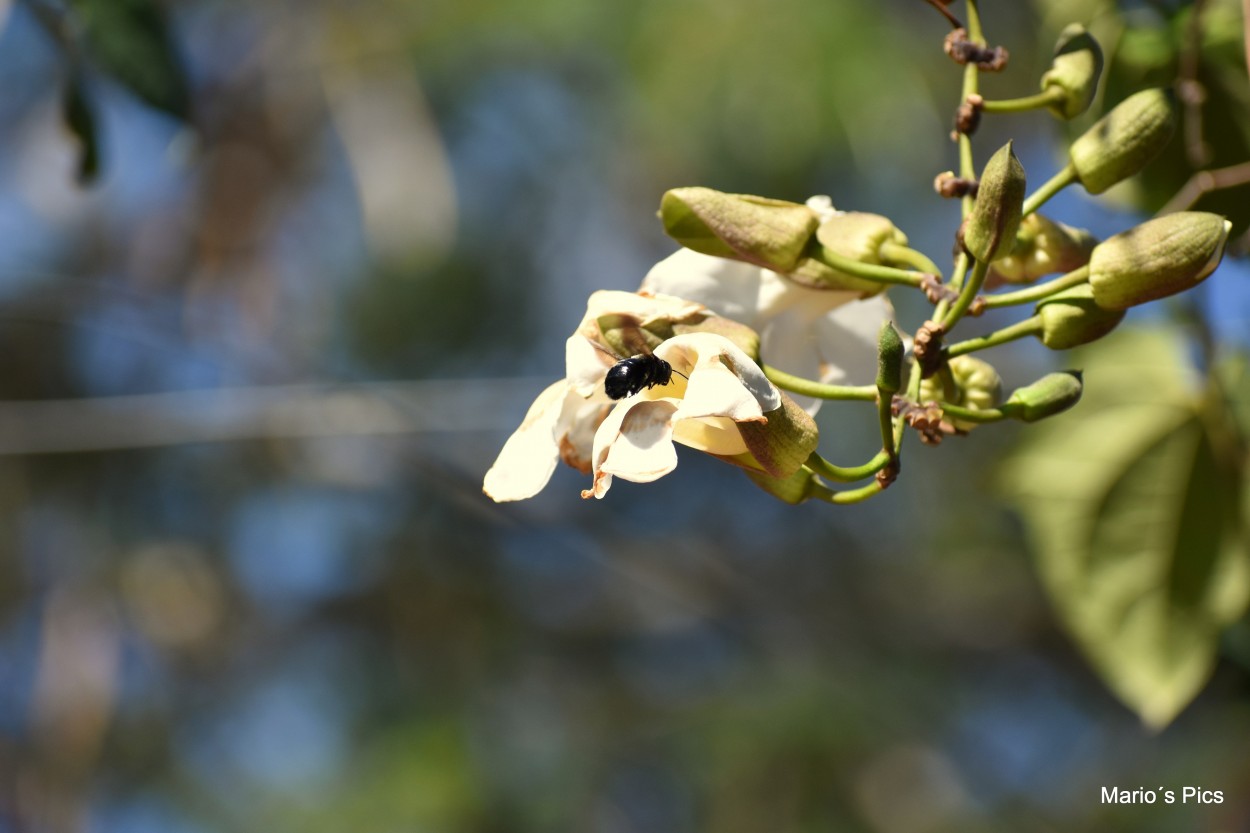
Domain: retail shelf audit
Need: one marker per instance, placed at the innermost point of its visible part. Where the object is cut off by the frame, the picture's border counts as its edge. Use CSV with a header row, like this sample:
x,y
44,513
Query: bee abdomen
x,y
628,376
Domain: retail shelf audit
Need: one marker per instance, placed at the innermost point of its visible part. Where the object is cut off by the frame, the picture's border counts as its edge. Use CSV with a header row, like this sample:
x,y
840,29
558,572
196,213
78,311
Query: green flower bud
x,y
1071,318
1074,71
989,233
1049,395
1123,141
856,235
980,388
1044,247
1161,257
889,359
766,232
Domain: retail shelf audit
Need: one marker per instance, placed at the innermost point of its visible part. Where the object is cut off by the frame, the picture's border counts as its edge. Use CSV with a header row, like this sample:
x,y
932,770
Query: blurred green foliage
x,y
1134,508
129,40
1203,58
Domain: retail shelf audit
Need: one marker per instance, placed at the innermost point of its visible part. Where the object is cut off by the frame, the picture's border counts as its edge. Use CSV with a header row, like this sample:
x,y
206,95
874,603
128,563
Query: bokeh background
x,y
254,370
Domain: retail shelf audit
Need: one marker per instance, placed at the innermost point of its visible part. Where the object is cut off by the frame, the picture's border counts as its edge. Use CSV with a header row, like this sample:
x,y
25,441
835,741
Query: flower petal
x,y
634,442
715,435
792,347
575,429
529,456
723,381
585,366
641,306
847,340
727,287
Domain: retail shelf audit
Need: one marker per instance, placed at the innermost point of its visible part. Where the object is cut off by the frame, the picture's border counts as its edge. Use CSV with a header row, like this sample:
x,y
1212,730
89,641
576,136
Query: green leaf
x,y
1136,525
79,117
129,40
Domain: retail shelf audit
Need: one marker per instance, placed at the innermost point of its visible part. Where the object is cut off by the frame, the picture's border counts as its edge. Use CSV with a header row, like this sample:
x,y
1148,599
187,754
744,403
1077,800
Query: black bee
x,y
643,370
628,376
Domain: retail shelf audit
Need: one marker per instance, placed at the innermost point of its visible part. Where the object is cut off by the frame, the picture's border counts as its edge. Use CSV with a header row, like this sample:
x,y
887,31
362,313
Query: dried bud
x,y
766,232
855,235
1049,395
963,51
1044,247
1071,318
1074,70
1161,257
990,230
889,359
947,185
1123,141
968,116
979,388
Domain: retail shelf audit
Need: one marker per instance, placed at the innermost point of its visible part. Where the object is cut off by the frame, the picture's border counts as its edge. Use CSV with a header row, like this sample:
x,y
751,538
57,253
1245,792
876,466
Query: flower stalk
x,y
1013,332
866,271
848,474
807,387
1037,293
820,492
967,294
1062,179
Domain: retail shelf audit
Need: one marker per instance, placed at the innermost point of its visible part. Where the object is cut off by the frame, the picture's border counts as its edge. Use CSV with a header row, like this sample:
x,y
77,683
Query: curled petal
x,y
645,307
723,381
634,442
529,456
560,425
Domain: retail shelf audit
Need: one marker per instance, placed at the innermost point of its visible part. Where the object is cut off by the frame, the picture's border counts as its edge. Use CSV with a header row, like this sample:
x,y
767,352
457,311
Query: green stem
x,y
967,169
1052,186
1027,327
866,271
1021,105
885,417
847,474
821,492
967,294
1037,293
896,253
913,394
969,415
806,387
957,281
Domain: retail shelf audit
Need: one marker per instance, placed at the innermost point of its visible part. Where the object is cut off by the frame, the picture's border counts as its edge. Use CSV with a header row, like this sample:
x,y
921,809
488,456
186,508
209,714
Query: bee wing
x,y
605,351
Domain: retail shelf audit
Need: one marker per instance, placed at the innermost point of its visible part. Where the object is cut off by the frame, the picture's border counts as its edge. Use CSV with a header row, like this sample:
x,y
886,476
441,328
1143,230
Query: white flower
x,y
828,335
561,423
725,391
